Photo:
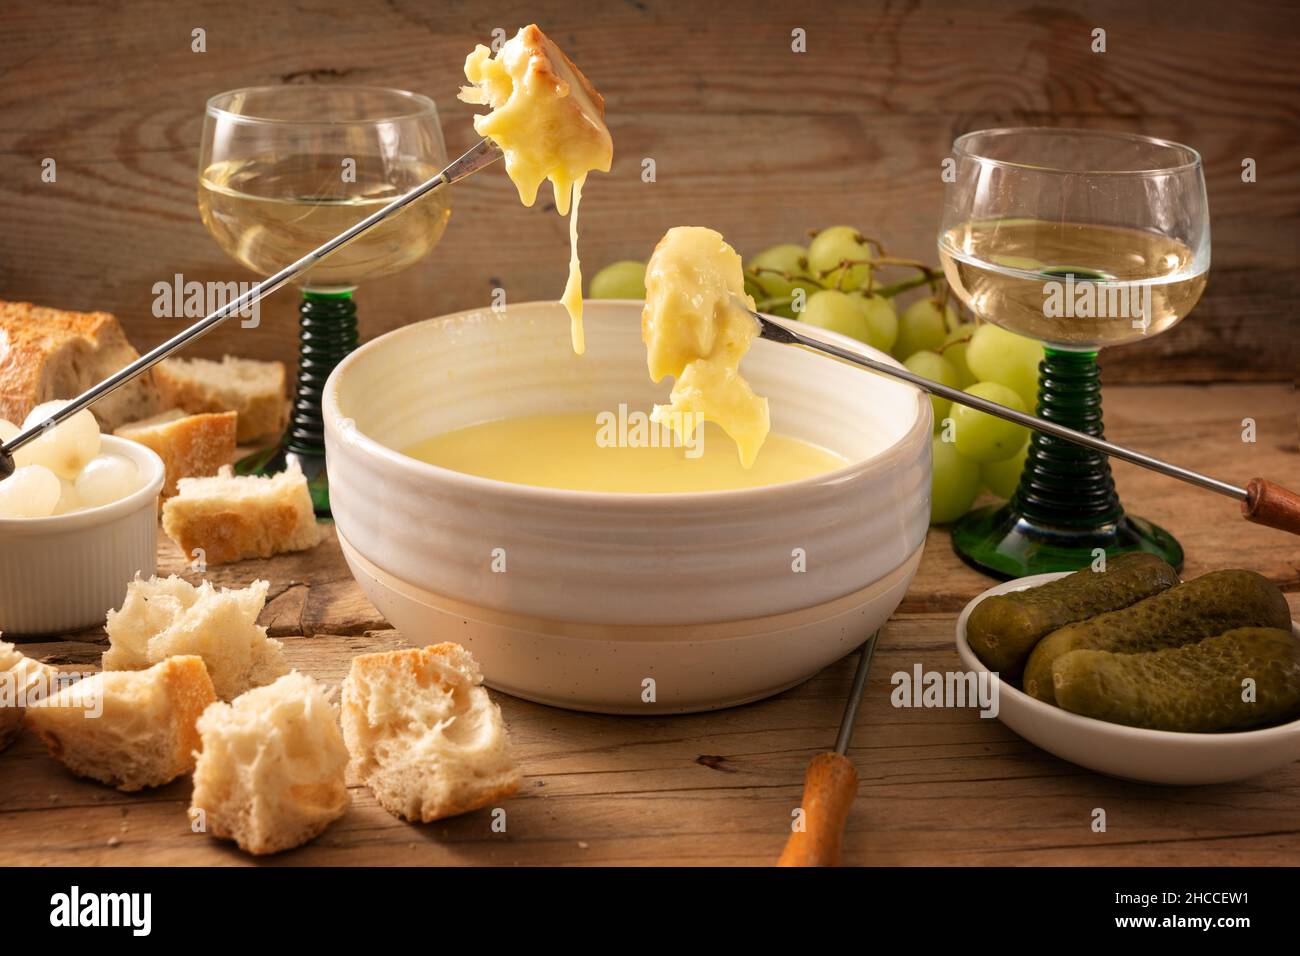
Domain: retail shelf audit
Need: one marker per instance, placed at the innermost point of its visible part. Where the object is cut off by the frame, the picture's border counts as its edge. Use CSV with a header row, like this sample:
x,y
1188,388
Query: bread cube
x,y
423,733
271,772
162,617
22,680
231,517
128,729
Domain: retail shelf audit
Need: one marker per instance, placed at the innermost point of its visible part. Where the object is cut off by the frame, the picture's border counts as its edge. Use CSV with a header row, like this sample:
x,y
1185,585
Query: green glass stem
x,y
1066,487
1065,508
327,332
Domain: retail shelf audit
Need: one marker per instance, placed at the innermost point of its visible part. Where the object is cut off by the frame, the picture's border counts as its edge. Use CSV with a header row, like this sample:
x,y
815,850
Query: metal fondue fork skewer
x,y
1262,501
480,156
830,785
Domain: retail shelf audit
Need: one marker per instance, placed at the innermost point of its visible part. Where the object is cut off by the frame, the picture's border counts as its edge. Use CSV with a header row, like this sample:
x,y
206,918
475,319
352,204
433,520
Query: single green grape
x,y
830,309
936,368
1003,477
954,350
624,279
996,355
921,326
982,437
767,268
832,246
954,482
881,318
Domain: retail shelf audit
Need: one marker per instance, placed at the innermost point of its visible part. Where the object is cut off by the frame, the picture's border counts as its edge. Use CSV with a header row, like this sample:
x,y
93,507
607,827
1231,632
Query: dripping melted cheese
x,y
696,331
550,123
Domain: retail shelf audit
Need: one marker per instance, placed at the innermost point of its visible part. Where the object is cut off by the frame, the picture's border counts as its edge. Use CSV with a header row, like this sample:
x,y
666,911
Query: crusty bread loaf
x,y
236,517
162,617
256,390
49,353
423,733
191,446
271,772
129,729
22,680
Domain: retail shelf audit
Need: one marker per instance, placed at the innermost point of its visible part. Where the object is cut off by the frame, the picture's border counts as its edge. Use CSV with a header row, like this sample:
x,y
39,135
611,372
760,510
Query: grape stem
x,y
842,267
928,277
787,276
898,288
947,345
862,241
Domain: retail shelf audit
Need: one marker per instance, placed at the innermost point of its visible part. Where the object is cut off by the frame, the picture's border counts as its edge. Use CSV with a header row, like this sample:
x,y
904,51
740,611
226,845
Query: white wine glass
x,y
1083,239
282,169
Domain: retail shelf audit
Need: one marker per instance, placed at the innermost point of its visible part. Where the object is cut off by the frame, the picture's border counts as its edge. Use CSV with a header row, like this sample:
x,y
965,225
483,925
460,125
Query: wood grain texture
x,y
749,137
936,786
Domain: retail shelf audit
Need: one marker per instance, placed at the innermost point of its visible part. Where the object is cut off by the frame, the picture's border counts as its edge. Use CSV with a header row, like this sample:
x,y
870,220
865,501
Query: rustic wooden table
x,y
937,786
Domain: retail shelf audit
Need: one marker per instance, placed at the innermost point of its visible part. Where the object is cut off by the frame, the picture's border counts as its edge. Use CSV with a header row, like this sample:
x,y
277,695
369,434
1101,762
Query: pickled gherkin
x,y
1246,677
1205,606
1004,628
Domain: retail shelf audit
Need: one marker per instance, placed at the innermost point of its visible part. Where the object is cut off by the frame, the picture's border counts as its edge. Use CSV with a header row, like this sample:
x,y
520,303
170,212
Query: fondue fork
x,y
830,785
478,157
1262,501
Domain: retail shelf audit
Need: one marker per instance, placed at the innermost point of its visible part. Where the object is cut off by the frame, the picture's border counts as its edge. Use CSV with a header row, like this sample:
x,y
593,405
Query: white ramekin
x,y
417,533
65,572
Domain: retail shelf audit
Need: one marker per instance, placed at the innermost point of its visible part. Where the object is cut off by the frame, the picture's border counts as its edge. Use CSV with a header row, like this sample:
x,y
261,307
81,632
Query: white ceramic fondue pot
x,y
621,603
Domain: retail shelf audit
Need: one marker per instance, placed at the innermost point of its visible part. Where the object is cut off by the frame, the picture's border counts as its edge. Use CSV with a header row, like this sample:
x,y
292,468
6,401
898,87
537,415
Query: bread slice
x,y
271,772
22,680
256,390
191,446
163,617
234,517
545,114
49,353
129,729
423,733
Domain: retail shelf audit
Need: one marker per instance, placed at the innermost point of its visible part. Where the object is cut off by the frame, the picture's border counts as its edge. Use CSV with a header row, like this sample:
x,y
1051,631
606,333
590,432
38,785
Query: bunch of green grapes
x,y
833,283
973,450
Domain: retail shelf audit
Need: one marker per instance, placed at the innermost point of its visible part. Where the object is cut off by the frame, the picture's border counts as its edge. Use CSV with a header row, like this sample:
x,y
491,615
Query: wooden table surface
x,y
937,786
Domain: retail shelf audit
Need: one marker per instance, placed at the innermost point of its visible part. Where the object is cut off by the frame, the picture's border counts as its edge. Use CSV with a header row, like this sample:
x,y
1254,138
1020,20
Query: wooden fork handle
x,y
828,791
1272,505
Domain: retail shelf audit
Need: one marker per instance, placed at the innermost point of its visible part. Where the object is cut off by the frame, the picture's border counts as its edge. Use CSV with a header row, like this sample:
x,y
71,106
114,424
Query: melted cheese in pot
x,y
565,450
696,331
550,124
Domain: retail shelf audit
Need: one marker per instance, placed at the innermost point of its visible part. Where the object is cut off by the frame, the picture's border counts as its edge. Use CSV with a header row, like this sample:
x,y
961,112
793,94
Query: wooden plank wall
x,y
748,136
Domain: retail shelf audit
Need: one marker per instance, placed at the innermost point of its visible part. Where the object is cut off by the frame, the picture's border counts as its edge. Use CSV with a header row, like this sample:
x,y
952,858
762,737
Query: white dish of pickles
x,y
1139,753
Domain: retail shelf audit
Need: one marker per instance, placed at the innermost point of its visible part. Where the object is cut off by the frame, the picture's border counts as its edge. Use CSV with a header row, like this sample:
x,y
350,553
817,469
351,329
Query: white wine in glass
x,y
282,170
266,213
1083,239
1125,284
